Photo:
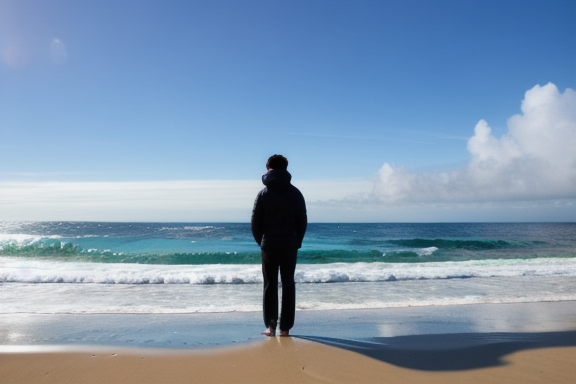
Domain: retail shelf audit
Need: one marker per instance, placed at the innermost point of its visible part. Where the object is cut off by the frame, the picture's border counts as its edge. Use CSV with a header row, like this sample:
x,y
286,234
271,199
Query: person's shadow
x,y
449,352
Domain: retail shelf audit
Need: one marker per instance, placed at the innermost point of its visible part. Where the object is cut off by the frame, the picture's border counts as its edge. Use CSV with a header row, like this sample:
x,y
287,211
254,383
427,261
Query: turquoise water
x,y
85,267
231,243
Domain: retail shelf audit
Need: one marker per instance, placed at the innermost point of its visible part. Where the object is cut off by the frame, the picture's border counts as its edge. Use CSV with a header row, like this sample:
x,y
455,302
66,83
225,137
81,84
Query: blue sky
x,y
387,110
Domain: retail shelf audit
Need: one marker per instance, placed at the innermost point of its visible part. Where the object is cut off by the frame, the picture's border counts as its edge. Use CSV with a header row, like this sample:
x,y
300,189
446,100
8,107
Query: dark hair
x,y
277,162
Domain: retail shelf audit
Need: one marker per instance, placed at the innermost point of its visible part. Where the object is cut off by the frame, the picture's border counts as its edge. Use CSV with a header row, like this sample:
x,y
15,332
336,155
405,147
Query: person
x,y
278,225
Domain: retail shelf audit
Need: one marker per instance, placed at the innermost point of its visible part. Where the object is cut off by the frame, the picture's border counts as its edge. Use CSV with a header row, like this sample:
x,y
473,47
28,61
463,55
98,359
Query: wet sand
x,y
512,343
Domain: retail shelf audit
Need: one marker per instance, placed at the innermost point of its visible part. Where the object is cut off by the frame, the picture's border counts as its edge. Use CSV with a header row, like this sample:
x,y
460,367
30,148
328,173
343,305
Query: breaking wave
x,y
46,271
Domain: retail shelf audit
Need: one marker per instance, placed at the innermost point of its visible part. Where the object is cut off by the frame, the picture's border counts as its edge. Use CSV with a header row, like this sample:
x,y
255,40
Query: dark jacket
x,y
279,215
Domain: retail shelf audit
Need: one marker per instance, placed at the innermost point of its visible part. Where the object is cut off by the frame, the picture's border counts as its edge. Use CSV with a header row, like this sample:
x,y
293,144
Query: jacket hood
x,y
277,179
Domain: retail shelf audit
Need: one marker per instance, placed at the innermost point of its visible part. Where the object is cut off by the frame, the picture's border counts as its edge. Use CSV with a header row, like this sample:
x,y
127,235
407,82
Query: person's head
x,y
277,162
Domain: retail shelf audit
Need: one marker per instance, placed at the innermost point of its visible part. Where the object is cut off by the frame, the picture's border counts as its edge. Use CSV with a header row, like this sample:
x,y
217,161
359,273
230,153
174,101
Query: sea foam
x,y
47,271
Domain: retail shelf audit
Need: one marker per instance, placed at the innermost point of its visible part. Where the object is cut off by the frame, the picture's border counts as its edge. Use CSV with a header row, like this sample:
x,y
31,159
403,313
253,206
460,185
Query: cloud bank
x,y
534,160
184,200
200,200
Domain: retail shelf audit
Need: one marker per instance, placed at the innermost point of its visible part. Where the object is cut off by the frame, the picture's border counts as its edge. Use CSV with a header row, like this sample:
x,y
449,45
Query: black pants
x,y
285,261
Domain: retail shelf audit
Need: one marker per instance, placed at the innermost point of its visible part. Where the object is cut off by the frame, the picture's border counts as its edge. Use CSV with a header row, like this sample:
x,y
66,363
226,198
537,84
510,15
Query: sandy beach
x,y
507,344
285,360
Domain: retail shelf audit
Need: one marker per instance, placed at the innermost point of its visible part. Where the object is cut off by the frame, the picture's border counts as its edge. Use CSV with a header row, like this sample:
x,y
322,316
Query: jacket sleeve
x,y
257,221
301,220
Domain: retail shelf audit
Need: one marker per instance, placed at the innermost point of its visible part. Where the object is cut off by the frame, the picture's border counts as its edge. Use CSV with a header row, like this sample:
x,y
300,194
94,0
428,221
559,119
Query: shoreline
x,y
478,343
212,330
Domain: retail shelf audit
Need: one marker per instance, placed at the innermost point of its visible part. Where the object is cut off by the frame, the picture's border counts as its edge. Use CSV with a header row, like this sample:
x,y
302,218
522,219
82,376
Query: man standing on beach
x,y
278,225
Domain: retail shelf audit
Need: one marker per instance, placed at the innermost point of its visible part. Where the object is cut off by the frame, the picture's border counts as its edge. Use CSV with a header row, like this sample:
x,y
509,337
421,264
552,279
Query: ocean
x,y
148,268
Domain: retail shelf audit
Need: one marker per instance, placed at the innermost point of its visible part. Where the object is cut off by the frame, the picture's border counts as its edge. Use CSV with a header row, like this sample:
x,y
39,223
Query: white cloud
x,y
534,160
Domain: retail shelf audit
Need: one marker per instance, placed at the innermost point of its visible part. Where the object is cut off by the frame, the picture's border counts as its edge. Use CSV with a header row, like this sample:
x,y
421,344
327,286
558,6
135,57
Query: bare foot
x,y
284,333
269,332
